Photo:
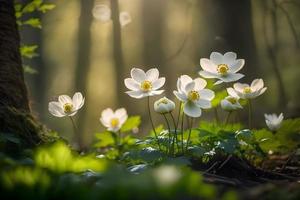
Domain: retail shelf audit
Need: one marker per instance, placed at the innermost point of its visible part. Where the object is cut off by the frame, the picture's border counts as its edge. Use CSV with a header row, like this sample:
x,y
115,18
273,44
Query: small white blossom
x,y
194,95
144,84
273,121
246,91
65,106
113,121
164,105
102,13
222,67
125,18
231,102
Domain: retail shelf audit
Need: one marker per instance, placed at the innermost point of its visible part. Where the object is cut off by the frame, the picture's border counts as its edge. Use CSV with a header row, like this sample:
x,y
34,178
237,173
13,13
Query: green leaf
x,y
8,137
28,51
219,96
105,139
131,123
245,135
32,6
46,7
28,69
34,22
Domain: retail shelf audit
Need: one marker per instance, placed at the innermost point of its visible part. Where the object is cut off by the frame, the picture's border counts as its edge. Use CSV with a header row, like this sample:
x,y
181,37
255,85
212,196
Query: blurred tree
x,y
117,52
153,23
83,61
15,115
231,28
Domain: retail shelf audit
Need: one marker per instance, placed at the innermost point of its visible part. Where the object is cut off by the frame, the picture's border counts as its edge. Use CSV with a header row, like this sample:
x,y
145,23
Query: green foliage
x,y
22,12
286,139
131,123
219,96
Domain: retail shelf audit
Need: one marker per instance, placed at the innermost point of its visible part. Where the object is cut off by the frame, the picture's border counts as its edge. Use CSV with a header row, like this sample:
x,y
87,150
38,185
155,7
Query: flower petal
x,y
63,99
184,80
55,108
216,58
218,82
239,87
135,94
207,94
190,86
131,84
231,77
106,115
191,110
180,96
152,74
203,103
78,100
232,93
138,75
257,84
262,91
200,83
236,66
229,57
158,83
207,74
155,92
208,65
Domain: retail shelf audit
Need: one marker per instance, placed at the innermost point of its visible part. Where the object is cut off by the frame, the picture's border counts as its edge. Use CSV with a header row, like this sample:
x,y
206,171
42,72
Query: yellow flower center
x,y
232,100
222,69
146,86
193,95
68,107
247,90
114,122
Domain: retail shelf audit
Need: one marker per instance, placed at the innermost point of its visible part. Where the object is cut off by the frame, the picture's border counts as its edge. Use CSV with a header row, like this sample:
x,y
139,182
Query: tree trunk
x,y
83,61
15,115
153,32
117,52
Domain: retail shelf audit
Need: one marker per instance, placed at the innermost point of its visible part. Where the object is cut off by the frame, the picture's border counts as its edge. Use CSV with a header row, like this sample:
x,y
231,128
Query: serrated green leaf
x,y
46,7
104,139
29,51
131,123
34,22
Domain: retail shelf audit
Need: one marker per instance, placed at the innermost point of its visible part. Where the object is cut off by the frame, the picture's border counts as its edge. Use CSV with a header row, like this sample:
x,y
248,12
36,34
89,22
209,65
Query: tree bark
x,y
117,52
83,61
15,115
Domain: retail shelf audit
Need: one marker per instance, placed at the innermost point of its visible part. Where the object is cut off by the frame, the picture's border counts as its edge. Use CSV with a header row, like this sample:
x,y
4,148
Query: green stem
x,y
227,118
249,113
189,137
182,123
175,139
153,127
75,130
216,115
169,129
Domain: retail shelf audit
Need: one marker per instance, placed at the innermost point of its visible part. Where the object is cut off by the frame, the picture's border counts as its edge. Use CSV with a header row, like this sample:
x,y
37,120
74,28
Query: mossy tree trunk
x,y
15,115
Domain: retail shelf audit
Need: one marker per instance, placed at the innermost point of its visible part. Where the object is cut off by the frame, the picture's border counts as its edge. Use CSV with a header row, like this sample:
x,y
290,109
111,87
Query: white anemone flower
x,y
125,18
113,121
274,121
144,84
102,13
231,102
246,91
193,95
222,67
164,105
66,106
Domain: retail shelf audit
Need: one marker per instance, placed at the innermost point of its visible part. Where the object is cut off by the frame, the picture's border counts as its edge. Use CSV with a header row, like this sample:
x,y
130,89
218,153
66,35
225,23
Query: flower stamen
x,y
193,95
247,90
114,122
222,69
68,107
232,100
146,86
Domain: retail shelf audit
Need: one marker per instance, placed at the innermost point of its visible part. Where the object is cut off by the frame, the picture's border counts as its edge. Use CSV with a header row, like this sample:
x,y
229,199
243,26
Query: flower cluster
x,y
193,94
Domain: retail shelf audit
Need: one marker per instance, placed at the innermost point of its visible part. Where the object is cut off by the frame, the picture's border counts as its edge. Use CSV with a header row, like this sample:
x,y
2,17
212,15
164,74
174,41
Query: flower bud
x,y
164,105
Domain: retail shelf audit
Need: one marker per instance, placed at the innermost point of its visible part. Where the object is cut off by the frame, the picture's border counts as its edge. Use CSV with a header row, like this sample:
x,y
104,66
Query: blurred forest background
x,y
78,52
